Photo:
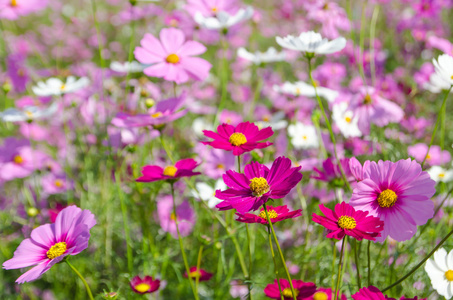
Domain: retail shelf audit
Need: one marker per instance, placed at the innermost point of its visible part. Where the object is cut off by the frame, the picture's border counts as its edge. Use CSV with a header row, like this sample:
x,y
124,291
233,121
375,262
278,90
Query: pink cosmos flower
x,y
325,294
301,289
182,168
209,8
345,220
243,138
331,172
200,273
276,214
397,193
172,57
55,184
184,214
51,243
436,157
13,9
251,189
145,285
370,293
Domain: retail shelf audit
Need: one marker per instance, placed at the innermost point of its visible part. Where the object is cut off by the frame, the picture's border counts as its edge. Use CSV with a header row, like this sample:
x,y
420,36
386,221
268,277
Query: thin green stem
x,y
125,224
130,56
372,50
420,263
181,244
356,258
239,164
369,262
164,145
197,280
90,295
250,261
339,267
271,246
442,108
280,252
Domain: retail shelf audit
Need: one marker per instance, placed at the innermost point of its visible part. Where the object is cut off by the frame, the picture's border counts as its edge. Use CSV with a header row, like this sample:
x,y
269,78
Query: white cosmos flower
x,y
436,84
200,124
56,87
440,271
301,88
275,121
29,113
126,67
223,19
311,42
206,192
444,68
440,174
303,136
345,120
271,55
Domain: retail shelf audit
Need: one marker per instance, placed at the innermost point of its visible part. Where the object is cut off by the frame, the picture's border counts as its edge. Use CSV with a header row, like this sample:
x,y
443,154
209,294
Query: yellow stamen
x,y
347,222
320,296
428,156
59,183
29,113
156,115
173,216
387,198
441,175
170,171
214,9
220,166
272,214
142,287
259,186
56,250
195,274
173,59
237,139
326,6
451,77
174,23
287,293
367,99
13,3
266,118
348,119
449,275
297,91
63,86
18,159
304,137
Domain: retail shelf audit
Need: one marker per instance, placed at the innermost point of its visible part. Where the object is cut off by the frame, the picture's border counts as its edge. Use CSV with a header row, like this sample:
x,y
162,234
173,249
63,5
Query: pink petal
x,y
172,39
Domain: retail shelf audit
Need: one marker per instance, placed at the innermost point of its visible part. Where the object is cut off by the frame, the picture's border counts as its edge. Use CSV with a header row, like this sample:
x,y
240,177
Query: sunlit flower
x,y
223,20
301,88
145,285
13,9
444,68
440,272
271,55
56,87
439,174
303,136
301,289
201,274
211,8
28,113
370,293
345,120
126,67
182,168
312,43
276,214
325,294
207,193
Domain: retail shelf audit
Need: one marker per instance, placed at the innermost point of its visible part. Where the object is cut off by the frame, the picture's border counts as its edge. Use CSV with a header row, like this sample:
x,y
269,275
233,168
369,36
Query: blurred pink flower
x,y
184,214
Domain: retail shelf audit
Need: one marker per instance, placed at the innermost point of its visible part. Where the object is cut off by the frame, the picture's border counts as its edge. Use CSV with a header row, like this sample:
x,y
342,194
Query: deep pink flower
x,y
325,294
397,193
331,172
145,285
370,293
172,57
240,139
276,214
436,157
251,189
182,168
301,289
13,9
51,243
345,220
200,273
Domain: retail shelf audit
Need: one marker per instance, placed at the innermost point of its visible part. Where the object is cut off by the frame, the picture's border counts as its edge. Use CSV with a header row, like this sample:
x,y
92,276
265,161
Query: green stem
x,y
372,50
280,252
165,148
356,258
271,246
239,163
90,295
130,55
181,244
250,261
224,79
125,224
442,108
420,263
369,262
339,267
197,281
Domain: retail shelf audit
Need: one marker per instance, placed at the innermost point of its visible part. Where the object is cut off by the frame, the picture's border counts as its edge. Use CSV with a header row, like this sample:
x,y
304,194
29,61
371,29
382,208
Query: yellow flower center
x,y
325,7
142,287
288,294
367,99
304,137
18,159
272,214
63,86
347,222
220,166
195,274
13,3
441,175
428,156
173,216
174,23
237,139
170,171
387,198
449,275
173,59
320,296
451,77
297,91
58,183
266,118
29,113
348,119
156,115
259,186
56,250
214,9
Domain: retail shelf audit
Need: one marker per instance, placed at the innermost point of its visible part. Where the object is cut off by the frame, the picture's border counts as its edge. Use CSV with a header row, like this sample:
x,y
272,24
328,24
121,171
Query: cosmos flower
x,y
56,87
243,138
126,67
223,20
251,189
303,136
311,43
345,120
301,88
172,57
271,55
345,220
28,113
182,168
325,294
435,157
370,293
55,184
167,219
443,67
440,272
145,285
211,8
207,193
301,289
331,172
397,193
13,9
51,243
200,273
439,174
276,214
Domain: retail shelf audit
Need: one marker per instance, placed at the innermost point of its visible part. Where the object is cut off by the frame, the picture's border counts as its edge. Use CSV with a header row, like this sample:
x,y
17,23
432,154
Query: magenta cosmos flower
x,y
51,243
185,215
370,293
201,274
182,168
276,214
397,193
301,289
325,294
240,139
345,220
145,285
172,57
13,9
251,189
